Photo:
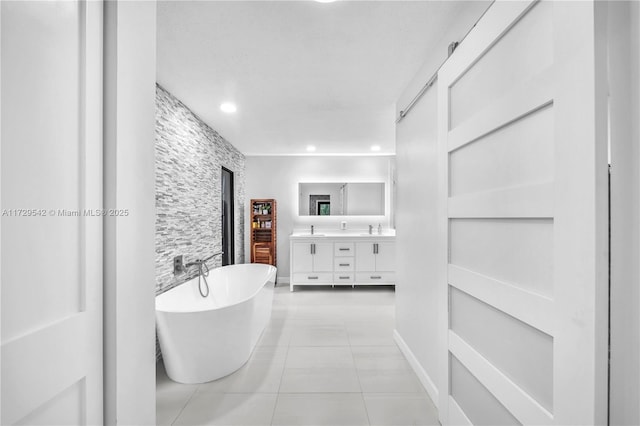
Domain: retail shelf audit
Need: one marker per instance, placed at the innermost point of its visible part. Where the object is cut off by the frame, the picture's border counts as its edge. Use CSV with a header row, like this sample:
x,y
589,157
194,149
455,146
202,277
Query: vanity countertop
x,y
355,234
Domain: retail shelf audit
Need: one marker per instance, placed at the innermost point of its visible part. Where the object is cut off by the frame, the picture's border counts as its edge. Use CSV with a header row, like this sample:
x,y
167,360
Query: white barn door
x,y
51,163
523,170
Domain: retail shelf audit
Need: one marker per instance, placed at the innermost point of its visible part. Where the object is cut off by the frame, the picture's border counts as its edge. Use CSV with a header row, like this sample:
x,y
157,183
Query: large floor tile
x,y
306,324
318,296
280,323
320,313
370,296
379,358
320,409
270,355
282,308
253,377
171,401
319,336
309,380
389,381
262,373
326,357
275,337
400,409
380,313
320,357
370,335
207,408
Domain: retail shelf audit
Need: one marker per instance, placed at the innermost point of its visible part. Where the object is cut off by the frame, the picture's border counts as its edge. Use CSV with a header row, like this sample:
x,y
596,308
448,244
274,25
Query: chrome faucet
x,y
370,229
203,272
311,229
203,261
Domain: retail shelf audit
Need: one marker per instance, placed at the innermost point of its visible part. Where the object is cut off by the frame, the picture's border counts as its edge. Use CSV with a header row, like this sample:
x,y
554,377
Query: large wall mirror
x,y
341,199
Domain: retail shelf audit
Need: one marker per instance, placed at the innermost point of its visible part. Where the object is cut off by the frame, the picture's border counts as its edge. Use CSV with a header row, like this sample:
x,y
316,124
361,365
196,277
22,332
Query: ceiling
x,y
301,72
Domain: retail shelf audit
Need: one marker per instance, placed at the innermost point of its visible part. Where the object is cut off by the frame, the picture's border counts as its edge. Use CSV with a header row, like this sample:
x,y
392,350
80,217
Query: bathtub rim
x,y
272,270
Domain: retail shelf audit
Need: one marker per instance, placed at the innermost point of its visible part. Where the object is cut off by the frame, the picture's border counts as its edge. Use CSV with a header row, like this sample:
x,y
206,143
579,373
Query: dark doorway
x,y
227,217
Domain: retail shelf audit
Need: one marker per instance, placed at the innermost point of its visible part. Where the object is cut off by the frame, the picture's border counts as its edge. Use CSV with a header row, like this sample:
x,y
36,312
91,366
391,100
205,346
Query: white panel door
x,y
51,165
523,172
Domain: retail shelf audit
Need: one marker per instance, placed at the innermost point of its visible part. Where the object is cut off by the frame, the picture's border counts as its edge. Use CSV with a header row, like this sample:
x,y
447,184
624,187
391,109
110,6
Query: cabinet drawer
x,y
343,278
343,249
376,277
341,264
313,278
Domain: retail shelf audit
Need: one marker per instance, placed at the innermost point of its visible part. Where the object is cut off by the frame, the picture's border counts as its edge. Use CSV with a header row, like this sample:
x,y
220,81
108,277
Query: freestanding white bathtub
x,y
203,339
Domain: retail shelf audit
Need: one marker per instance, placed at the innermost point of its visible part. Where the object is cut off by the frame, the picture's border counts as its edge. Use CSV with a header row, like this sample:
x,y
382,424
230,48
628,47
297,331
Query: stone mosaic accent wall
x,y
189,159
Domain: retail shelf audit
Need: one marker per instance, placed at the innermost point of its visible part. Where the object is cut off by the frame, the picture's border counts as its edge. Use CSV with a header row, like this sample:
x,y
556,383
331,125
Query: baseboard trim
x,y
424,378
284,280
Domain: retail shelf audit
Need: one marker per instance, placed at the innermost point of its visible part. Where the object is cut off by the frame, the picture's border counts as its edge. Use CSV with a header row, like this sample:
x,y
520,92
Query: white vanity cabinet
x,y
312,262
343,263
375,262
342,259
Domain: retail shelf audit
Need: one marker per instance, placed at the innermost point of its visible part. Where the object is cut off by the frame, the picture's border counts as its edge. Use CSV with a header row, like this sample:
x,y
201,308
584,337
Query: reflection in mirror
x,y
341,199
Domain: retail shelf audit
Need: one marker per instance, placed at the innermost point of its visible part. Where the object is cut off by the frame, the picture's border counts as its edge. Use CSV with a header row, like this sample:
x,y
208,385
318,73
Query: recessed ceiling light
x,y
375,148
228,107
325,1
311,148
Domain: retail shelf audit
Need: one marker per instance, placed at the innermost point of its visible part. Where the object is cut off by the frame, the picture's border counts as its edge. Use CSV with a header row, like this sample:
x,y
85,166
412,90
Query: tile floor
x,y
326,358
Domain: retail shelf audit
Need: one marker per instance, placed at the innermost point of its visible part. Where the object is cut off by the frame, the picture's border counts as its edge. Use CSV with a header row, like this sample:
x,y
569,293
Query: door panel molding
x,y
52,362
533,309
572,304
526,99
516,400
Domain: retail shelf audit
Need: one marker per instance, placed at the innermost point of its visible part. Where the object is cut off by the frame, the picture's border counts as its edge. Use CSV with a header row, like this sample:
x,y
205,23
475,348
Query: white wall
x,y
278,177
416,290
129,166
624,84
417,310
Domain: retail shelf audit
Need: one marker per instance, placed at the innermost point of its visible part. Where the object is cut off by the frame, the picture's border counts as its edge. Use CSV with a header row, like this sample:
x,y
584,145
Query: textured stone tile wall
x,y
189,159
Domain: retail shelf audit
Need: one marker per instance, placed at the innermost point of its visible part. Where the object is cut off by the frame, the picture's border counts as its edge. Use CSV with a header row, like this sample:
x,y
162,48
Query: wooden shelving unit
x,y
263,231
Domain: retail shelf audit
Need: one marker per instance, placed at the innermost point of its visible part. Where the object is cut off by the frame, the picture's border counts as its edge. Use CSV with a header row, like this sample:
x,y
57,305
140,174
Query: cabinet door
x,y
323,257
386,257
365,257
302,257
